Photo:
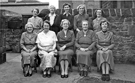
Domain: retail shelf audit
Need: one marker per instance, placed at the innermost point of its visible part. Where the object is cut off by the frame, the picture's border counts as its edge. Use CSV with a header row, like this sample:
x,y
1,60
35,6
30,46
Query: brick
x,y
75,12
58,11
133,12
106,12
126,12
112,12
89,12
118,12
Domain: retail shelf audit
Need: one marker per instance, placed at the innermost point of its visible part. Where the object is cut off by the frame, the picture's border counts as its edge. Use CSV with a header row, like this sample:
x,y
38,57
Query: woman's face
x,y
34,12
65,25
81,10
104,26
46,27
66,8
99,13
85,25
52,9
30,28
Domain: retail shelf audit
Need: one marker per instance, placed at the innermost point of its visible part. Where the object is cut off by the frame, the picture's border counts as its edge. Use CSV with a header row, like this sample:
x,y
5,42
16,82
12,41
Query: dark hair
x,y
95,14
36,9
104,22
46,21
65,4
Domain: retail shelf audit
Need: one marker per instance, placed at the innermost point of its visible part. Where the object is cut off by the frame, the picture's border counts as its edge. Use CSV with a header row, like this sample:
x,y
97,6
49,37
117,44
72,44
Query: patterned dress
x,y
28,42
47,43
105,40
84,41
68,40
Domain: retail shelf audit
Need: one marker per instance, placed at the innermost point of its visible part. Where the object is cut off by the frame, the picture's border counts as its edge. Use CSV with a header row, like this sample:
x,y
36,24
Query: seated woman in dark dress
x,y
105,44
28,52
65,47
85,42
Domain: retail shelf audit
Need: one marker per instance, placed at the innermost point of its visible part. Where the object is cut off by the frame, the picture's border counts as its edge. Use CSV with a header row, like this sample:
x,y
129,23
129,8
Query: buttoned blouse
x,y
85,40
65,39
28,41
104,39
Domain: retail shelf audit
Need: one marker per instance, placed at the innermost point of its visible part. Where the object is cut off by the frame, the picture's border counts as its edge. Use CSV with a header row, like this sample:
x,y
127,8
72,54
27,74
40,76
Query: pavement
x,y
11,72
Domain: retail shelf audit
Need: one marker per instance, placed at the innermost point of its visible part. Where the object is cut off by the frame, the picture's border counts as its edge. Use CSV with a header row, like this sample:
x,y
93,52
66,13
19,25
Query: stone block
x,y
118,12
133,12
112,12
89,12
106,12
132,30
126,12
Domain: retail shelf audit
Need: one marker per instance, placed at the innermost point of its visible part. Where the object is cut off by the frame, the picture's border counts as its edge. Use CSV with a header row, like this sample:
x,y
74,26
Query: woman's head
x,y
99,13
82,9
29,27
104,25
85,25
65,24
66,7
46,25
52,9
35,12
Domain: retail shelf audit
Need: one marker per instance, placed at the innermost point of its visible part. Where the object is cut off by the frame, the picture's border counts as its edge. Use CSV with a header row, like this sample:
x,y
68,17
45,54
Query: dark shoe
x,y
66,76
103,78
30,71
85,73
49,75
81,73
107,77
44,74
25,71
62,76
35,69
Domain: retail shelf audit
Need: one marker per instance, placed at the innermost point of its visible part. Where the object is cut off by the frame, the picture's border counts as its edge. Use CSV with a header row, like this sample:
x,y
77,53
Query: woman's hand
x,y
77,30
82,49
63,48
105,49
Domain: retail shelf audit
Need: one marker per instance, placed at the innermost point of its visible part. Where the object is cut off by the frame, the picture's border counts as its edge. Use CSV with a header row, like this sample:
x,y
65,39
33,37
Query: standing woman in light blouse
x,y
105,44
28,52
46,42
37,21
98,17
79,17
67,15
85,42
53,19
65,47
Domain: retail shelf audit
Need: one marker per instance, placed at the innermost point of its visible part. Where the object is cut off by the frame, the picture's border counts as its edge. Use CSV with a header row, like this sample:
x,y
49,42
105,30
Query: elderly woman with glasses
x,y
65,47
28,52
46,42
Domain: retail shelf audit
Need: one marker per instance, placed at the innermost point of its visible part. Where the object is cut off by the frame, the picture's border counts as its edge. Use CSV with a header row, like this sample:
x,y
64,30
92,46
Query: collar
x,y
52,15
105,33
66,13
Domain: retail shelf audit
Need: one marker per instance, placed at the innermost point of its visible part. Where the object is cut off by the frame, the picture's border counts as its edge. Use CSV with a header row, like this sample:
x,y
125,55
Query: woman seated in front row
x,y
28,52
85,42
46,42
105,44
65,46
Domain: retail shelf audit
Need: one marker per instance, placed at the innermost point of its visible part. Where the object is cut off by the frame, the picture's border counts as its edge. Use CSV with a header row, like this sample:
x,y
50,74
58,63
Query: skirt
x,y
28,58
84,57
105,57
66,55
47,59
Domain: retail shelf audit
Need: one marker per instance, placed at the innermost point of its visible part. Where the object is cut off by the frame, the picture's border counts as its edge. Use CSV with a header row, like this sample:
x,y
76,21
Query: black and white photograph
x,y
67,41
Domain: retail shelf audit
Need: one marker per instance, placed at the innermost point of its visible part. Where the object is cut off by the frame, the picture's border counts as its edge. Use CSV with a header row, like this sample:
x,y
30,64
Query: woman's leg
x,y
62,64
66,67
103,68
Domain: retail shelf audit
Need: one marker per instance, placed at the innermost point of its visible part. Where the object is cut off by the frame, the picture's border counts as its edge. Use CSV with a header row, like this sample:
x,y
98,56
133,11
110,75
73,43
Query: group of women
x,y
65,35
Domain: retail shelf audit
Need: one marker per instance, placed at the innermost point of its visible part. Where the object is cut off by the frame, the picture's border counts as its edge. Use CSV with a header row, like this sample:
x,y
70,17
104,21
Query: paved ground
x,y
11,72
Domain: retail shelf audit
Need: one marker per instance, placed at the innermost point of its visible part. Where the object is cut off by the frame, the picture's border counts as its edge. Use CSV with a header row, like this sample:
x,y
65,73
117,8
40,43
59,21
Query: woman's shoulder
x,y
24,33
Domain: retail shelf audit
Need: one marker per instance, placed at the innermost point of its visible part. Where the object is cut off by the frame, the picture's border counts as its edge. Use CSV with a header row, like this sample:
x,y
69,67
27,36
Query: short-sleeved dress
x,y
68,40
48,43
29,43
84,41
96,23
105,40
